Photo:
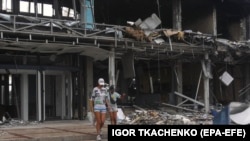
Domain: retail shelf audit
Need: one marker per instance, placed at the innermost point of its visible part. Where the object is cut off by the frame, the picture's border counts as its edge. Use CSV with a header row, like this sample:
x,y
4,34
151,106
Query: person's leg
x,y
114,114
98,121
103,118
115,117
111,117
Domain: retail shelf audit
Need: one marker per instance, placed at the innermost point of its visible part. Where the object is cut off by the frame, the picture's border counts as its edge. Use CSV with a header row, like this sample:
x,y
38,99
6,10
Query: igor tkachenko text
x,y
203,132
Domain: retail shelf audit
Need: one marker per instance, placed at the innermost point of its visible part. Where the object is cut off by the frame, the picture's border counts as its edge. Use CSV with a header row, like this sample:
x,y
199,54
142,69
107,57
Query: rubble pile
x,y
16,123
147,30
161,117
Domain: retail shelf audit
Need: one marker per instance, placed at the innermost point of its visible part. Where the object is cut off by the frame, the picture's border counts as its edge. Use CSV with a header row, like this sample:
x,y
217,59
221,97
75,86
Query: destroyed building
x,y
181,53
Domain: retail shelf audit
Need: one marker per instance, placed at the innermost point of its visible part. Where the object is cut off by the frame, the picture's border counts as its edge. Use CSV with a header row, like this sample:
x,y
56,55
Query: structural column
x,y
177,23
179,79
88,79
63,103
39,97
206,83
24,97
112,68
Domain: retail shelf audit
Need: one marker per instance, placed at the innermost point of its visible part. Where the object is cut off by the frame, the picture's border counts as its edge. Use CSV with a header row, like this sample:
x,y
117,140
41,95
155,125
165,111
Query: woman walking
x,y
113,96
100,100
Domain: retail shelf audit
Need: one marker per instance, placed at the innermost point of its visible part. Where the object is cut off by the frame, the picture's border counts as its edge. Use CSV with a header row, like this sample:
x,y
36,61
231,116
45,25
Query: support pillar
x,y
39,98
179,79
112,68
177,16
206,85
172,97
24,97
88,79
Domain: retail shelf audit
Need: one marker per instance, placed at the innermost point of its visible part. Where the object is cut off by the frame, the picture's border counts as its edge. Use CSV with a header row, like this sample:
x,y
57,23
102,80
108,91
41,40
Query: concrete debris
x,y
162,117
16,123
146,30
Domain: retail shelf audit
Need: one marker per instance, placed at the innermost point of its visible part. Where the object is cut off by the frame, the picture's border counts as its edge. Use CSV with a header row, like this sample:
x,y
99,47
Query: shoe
x,y
98,138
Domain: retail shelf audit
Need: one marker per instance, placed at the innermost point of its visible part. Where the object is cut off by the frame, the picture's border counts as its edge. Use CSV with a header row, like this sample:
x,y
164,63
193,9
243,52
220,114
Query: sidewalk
x,y
65,130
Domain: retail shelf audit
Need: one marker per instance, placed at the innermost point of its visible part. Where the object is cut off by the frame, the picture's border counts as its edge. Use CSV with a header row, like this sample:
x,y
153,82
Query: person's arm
x,y
108,101
93,105
91,101
122,97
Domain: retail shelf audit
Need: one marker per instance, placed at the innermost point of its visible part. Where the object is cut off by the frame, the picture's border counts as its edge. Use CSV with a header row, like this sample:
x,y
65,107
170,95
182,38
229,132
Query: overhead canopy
x,y
96,53
56,48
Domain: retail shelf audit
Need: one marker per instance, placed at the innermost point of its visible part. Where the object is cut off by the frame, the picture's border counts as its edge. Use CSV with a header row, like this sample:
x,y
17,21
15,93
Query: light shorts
x,y
113,108
100,109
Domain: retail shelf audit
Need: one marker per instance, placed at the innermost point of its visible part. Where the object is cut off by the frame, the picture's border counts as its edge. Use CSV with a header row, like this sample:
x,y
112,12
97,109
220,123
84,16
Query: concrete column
x,y
172,97
179,79
36,8
24,97
177,16
39,97
59,91
214,17
63,103
43,95
57,9
15,7
206,87
243,27
112,68
88,79
70,100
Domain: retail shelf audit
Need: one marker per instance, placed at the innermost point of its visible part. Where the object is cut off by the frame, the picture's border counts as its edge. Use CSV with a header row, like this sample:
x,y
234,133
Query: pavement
x,y
64,130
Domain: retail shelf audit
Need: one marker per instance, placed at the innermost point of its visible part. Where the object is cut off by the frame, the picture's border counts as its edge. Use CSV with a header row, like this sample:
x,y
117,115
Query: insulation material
x,y
226,78
169,32
135,33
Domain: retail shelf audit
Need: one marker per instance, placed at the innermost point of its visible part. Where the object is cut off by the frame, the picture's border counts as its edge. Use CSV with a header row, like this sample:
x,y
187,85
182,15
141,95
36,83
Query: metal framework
x,y
43,35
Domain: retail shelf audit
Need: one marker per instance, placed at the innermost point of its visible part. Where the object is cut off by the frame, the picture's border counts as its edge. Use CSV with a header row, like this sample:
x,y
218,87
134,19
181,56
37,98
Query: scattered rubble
x,y
16,123
163,117
147,31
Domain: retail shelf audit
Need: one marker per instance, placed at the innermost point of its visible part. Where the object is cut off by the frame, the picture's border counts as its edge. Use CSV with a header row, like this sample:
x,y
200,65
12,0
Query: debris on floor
x,y
16,123
163,117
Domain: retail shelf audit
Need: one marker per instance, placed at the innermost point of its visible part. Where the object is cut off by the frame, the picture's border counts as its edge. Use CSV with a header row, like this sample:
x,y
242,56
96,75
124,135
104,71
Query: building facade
x,y
162,51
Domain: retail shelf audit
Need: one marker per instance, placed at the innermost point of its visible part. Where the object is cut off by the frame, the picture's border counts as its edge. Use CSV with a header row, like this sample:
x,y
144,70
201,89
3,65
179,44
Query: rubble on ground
x,y
163,117
16,123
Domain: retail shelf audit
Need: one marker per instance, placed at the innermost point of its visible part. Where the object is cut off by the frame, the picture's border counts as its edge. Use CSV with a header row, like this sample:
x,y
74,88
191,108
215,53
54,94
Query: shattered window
x,y
24,6
47,10
71,13
32,8
7,5
67,12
